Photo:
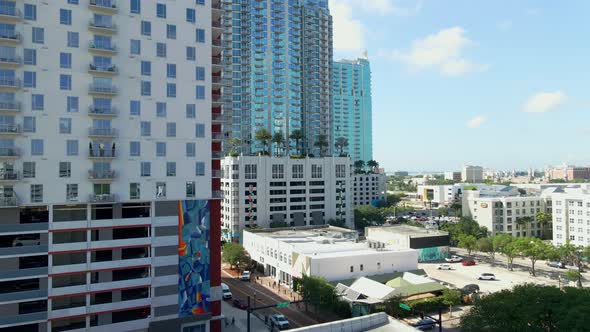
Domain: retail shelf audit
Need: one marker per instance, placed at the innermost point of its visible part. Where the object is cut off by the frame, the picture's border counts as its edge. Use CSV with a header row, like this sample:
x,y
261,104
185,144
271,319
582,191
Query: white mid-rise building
x,y
324,251
105,127
473,174
571,215
369,189
266,191
453,176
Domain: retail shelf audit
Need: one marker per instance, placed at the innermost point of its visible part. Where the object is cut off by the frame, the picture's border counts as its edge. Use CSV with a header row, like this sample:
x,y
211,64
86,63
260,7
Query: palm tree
x,y
322,143
233,144
373,164
298,136
264,136
544,219
341,144
279,140
358,166
523,221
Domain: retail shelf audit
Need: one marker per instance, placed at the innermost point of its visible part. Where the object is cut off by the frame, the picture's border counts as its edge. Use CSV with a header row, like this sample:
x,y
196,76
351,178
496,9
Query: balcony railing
x,y
217,194
102,25
102,89
105,132
10,105
101,175
9,152
10,82
10,60
102,111
10,11
102,47
9,128
10,35
9,176
110,69
102,198
101,153
104,4
8,201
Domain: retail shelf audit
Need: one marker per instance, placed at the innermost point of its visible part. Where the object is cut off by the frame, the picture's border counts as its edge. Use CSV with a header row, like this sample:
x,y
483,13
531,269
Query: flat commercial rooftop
x,y
411,230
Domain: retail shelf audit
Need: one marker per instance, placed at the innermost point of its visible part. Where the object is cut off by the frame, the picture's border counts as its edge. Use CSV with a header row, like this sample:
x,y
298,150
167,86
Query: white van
x,y
225,292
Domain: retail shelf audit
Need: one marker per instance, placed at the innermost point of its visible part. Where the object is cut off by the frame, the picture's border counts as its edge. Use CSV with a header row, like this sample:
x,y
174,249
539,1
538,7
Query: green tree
x,y
373,165
468,242
264,136
499,241
486,245
233,145
545,220
534,249
394,199
523,222
443,211
465,226
322,295
367,215
322,143
358,166
511,250
456,206
574,275
278,139
451,297
341,144
234,254
567,252
298,136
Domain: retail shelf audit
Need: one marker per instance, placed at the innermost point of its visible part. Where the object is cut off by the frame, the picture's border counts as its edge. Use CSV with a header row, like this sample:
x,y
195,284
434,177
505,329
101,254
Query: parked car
x,y
226,293
240,304
558,265
454,259
468,263
444,267
425,324
245,276
279,321
470,289
26,240
487,276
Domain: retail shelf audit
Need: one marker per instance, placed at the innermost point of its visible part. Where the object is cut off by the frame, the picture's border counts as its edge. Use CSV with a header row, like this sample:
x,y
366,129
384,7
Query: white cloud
x,y
544,102
442,50
476,122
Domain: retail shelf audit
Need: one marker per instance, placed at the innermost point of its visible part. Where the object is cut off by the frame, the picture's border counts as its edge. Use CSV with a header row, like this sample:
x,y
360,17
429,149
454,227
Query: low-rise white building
x,y
325,251
432,245
368,189
269,191
571,215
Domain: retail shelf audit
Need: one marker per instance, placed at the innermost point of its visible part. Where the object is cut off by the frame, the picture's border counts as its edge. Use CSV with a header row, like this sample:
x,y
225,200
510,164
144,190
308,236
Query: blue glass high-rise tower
x,y
352,109
276,63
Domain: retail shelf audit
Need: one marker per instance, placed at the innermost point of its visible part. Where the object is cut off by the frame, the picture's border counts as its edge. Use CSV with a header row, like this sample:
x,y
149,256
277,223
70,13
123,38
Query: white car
x,y
444,267
487,276
26,240
225,292
279,321
454,259
245,276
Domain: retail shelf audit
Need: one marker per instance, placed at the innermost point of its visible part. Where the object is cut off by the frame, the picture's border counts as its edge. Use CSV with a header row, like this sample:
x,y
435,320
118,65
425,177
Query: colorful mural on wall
x,y
433,254
193,258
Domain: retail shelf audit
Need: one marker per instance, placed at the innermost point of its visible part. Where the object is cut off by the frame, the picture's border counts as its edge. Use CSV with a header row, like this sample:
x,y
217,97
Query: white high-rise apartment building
x,y
105,125
369,188
571,216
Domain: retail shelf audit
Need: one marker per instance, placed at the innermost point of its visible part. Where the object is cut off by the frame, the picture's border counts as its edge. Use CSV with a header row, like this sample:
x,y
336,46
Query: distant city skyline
x,y
498,84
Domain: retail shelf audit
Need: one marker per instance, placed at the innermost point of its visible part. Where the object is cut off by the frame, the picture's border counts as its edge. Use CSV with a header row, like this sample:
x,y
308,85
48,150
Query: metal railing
x,y
98,198
10,34
10,105
107,111
9,152
10,59
8,201
101,153
102,25
10,82
110,4
102,46
102,89
9,176
102,132
103,69
101,175
11,128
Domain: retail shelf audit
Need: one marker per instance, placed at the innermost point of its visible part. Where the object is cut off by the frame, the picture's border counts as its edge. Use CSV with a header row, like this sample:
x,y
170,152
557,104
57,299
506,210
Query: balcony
x,y
102,198
217,137
216,173
10,60
10,83
9,176
7,129
108,6
10,106
217,118
101,176
10,36
102,132
103,111
215,155
217,194
102,48
10,13
8,201
102,26
108,70
9,153
101,153
37,317
102,89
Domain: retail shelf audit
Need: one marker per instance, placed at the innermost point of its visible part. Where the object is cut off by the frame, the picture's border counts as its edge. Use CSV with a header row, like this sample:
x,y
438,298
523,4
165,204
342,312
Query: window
x,y
72,104
38,35
316,171
351,268
135,6
171,31
146,128
36,193
161,110
171,129
170,168
65,126
200,35
146,88
134,149
199,130
134,107
30,12
200,92
160,190
161,10
361,267
135,47
73,2
30,56
171,90
190,189
160,149
72,147
161,50
340,171
146,68
134,192
171,70
146,28
190,15
190,149
30,79
65,17
73,39
29,169
297,171
37,102
71,192
37,147
146,168
199,168
65,82
29,124
278,171
250,171
200,73
191,111
65,169
191,53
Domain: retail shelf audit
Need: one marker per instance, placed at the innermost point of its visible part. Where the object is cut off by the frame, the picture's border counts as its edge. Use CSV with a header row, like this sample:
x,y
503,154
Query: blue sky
x,y
502,84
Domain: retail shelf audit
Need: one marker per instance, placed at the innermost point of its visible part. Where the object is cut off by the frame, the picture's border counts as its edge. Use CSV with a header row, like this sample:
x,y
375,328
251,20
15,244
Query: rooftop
x,y
410,230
